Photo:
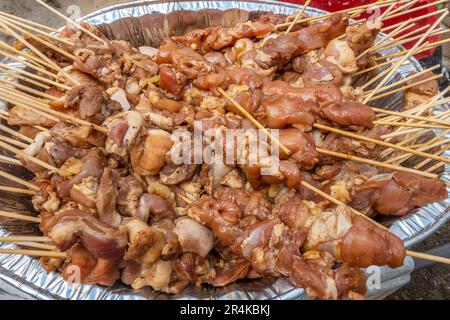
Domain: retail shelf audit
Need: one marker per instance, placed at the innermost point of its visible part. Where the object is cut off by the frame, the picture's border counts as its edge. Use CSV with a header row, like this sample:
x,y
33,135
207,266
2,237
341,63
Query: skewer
x,y
72,22
425,48
46,34
15,133
19,181
34,253
39,39
35,76
37,161
35,245
28,21
28,89
185,199
16,190
12,142
29,65
26,239
414,19
30,58
13,75
46,110
409,54
298,16
18,216
401,81
410,124
381,143
426,161
374,163
395,15
9,160
403,158
37,52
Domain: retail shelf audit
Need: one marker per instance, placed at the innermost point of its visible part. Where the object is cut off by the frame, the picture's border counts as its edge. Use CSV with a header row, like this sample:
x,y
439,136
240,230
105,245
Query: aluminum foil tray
x,y
144,23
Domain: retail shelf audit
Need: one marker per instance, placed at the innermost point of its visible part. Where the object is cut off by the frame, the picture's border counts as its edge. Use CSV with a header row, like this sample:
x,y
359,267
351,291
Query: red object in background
x,y
337,5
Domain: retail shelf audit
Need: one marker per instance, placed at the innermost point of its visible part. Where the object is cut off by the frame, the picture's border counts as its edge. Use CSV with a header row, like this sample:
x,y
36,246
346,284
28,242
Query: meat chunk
x,y
350,114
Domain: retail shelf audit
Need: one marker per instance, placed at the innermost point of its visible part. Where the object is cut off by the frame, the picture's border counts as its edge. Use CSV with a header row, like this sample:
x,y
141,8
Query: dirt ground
x,y
429,283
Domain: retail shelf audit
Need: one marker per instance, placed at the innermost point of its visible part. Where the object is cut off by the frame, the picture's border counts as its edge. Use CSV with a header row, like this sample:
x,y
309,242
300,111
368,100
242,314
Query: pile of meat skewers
x,y
122,209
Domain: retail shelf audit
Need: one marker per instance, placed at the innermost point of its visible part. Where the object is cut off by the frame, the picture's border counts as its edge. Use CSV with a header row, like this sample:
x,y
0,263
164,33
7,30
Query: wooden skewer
x,y
26,239
14,143
404,6
404,157
18,216
253,120
72,22
381,143
16,190
28,89
13,75
374,163
415,9
426,161
401,81
29,65
414,19
185,199
35,76
379,4
9,160
39,31
35,253
378,45
435,167
33,245
409,54
60,115
37,52
43,164
15,133
39,39
410,124
30,58
379,65
32,23
19,181
425,48
293,23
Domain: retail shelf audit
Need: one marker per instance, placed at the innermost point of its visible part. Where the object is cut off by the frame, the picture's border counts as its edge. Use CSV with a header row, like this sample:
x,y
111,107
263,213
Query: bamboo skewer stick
x,y
15,133
16,190
374,163
28,89
35,253
379,44
72,22
8,160
39,31
32,23
37,52
35,76
426,161
39,39
425,48
381,143
12,142
29,65
60,115
298,16
409,54
401,81
34,245
432,14
30,58
19,181
404,157
37,161
415,9
410,124
18,216
13,75
26,239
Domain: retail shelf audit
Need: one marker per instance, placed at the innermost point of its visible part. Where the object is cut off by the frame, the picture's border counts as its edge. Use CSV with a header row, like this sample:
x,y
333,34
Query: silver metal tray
x,y
144,22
